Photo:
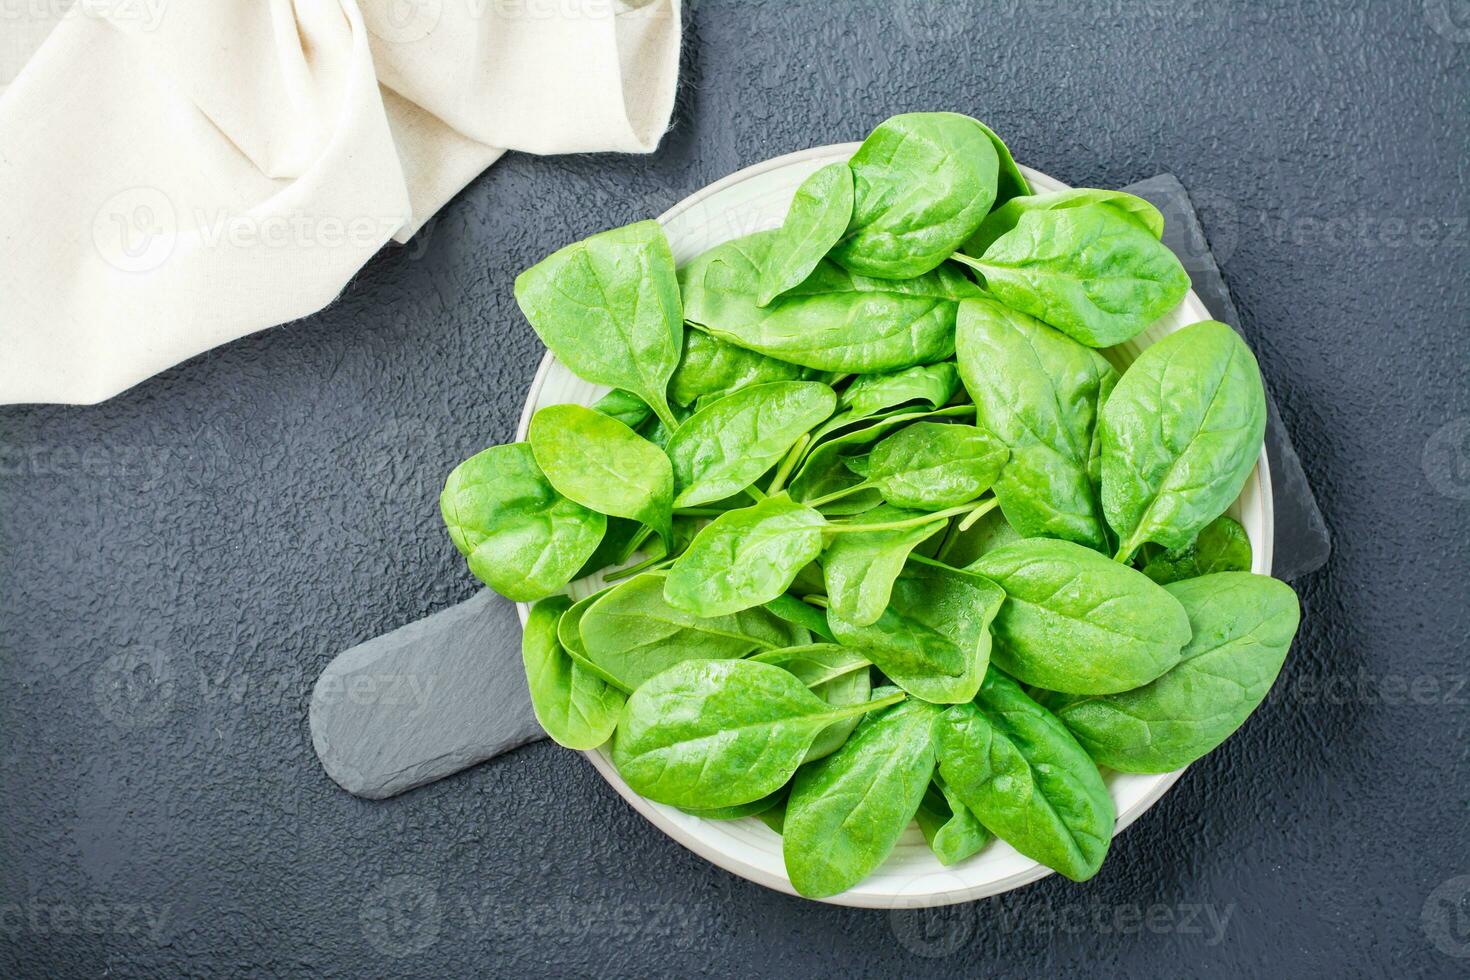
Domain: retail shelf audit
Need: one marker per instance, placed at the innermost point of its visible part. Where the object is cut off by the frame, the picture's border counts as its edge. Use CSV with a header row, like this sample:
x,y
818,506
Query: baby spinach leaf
x,y
860,568
716,733
1074,621
932,465
845,814
712,368
933,640
793,610
1243,625
624,406
854,687
922,183
1091,271
1038,391
608,307
1180,435
600,463
1005,216
835,674
834,320
815,221
825,471
932,384
1221,547
1009,181
569,634
1023,775
722,449
752,809
633,633
745,558
521,537
577,709
815,663
952,832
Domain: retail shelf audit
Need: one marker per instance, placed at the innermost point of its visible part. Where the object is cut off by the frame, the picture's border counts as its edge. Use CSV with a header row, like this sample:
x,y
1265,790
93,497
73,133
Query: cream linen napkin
x,y
175,174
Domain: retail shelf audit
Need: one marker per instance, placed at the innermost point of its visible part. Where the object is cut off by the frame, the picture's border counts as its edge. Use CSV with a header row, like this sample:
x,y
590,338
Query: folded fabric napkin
x,y
448,691
177,175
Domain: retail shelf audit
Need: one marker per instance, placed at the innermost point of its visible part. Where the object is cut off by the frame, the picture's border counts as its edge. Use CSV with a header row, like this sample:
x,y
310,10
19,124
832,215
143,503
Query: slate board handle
x,y
424,701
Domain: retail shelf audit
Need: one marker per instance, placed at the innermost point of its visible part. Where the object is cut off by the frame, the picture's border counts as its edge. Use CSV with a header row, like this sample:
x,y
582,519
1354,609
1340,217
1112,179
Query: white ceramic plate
x,y
755,199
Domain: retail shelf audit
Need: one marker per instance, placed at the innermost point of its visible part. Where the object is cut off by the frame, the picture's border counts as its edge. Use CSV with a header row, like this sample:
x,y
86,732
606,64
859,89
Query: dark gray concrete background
x,y
177,564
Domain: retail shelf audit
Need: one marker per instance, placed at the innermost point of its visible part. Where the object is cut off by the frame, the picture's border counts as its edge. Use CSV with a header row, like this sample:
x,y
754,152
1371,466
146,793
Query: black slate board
x,y
178,565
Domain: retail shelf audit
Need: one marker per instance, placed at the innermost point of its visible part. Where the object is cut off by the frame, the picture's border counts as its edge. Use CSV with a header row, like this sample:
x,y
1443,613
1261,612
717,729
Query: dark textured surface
x,y
178,564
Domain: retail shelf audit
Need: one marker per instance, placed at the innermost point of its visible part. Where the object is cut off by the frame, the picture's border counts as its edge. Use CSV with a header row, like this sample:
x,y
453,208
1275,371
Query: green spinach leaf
x,y
952,832
835,674
722,449
624,406
793,610
1243,625
602,464
815,221
717,733
1009,181
860,568
752,809
1180,435
569,634
710,368
1074,621
932,384
834,320
922,183
933,465
845,814
577,709
1221,547
608,307
825,471
633,633
1092,272
1023,776
933,640
521,537
745,557
1038,391
1005,216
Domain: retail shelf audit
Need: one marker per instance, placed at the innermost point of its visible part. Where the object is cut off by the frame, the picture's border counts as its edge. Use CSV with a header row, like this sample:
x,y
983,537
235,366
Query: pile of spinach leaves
x,y
893,540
